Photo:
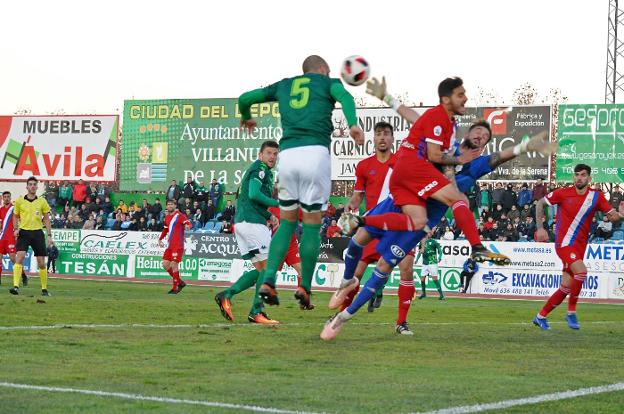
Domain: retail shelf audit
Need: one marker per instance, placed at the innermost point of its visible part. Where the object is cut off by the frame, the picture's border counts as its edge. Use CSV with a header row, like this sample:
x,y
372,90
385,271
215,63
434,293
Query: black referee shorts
x,y
34,239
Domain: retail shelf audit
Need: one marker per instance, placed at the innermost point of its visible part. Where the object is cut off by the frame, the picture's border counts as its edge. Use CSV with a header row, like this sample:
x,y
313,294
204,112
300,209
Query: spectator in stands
x,y
142,226
539,190
514,213
84,212
448,234
201,194
210,212
90,205
510,234
593,227
498,212
503,222
100,224
153,225
155,210
333,230
92,191
59,221
494,232
485,213
525,196
188,191
185,204
102,191
215,192
526,228
525,212
329,215
510,198
229,212
89,223
117,224
134,224
226,227
605,228
51,193
65,194
188,213
79,193
173,192
339,211
616,197
497,196
472,194
145,208
131,210
97,206
122,206
107,206
485,198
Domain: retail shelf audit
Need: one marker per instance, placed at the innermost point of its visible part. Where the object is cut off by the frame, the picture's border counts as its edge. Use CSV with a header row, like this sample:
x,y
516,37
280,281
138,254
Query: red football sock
x,y
575,290
406,293
555,300
176,278
466,222
350,298
391,221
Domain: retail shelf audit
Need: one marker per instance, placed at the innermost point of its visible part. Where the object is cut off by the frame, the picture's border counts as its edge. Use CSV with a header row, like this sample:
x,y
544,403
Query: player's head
x,y
478,135
171,205
453,95
268,153
315,64
6,198
582,176
31,185
384,137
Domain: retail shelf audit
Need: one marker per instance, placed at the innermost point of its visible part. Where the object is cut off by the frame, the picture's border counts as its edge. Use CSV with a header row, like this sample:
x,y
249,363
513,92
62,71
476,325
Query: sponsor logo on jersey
x,y
397,251
437,130
427,188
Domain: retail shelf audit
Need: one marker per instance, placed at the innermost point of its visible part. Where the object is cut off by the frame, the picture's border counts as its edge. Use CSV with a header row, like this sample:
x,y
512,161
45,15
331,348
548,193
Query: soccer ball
x,y
355,70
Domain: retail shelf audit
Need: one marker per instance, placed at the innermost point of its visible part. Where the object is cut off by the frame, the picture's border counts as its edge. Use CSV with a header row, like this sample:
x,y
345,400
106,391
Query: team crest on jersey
x,y
261,174
437,130
372,172
572,256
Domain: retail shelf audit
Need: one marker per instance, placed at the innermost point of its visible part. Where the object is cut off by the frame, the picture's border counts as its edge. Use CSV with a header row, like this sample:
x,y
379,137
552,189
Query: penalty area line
x,y
139,397
477,408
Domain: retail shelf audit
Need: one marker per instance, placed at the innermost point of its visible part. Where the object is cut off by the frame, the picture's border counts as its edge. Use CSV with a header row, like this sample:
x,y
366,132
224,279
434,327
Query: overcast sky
x,y
83,56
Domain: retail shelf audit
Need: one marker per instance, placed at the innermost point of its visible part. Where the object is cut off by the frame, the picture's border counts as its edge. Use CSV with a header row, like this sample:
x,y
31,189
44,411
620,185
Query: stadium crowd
x,y
506,211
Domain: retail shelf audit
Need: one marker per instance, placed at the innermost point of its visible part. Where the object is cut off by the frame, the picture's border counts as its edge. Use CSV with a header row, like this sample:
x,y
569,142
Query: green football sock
x,y
257,303
423,287
437,283
277,250
308,252
379,292
247,280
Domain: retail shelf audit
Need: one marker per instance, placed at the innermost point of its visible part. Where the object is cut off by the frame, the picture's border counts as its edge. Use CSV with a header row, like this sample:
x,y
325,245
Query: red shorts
x,y
569,255
414,180
7,246
173,255
292,255
371,255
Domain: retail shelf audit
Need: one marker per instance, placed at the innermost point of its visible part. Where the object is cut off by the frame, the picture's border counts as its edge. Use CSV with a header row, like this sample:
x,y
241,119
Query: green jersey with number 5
x,y
306,103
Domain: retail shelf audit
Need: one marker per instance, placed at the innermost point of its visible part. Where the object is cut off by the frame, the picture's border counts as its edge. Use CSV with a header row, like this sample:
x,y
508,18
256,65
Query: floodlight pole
x,y
615,50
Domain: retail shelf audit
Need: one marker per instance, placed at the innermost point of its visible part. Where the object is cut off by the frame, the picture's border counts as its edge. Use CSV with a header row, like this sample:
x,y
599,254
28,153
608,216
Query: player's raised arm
x,y
340,94
247,99
538,142
379,91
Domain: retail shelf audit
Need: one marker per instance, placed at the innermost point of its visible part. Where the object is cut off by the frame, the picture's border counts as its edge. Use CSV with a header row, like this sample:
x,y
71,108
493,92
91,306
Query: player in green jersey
x,y
431,252
306,103
252,233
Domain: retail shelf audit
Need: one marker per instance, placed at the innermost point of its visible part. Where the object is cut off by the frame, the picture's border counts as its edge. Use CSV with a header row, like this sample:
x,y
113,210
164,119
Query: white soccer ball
x,y
355,70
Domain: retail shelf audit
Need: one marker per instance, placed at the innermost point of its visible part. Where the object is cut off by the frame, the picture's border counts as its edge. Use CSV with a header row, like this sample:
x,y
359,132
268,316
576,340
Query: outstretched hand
x,y
376,88
248,124
539,142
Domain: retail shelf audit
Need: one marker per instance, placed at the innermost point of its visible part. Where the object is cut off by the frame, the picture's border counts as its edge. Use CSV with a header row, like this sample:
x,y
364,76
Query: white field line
x,y
252,325
138,397
529,400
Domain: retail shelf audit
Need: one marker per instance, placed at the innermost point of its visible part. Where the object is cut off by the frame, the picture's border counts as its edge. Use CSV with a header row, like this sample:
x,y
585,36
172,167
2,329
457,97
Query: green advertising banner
x,y
176,139
88,264
67,241
593,135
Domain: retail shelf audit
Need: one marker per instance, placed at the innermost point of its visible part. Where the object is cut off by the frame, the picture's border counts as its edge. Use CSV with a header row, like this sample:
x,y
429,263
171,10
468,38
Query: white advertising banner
x,y
120,242
58,147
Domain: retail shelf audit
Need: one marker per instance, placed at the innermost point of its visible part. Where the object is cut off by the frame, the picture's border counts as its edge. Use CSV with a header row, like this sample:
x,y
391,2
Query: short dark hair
x,y
313,62
481,123
383,125
33,178
269,144
446,87
171,200
582,167
6,192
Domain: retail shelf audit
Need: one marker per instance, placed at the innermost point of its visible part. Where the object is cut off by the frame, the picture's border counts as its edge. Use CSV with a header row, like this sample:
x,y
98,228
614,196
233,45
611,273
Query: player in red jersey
x,y
372,183
173,230
292,257
7,235
416,179
577,206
